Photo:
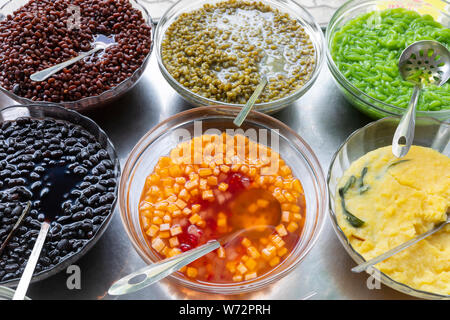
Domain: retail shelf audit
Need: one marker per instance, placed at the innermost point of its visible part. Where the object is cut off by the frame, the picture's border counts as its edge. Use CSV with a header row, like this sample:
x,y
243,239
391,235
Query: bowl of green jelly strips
x,y
365,40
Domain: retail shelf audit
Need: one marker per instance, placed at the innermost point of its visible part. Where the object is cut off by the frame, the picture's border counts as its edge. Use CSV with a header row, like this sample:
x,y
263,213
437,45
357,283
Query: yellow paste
x,y
398,199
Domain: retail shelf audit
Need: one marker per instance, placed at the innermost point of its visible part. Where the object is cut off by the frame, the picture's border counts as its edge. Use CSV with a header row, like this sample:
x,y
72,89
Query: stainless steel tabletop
x,y
322,117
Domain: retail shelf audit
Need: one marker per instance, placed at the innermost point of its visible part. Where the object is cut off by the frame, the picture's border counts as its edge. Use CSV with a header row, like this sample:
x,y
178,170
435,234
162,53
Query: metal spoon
x,y
422,63
101,42
364,266
260,221
50,210
240,118
24,282
270,66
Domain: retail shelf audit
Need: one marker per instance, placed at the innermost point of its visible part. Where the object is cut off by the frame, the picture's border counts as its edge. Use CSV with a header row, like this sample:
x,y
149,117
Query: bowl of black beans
x,y
38,34
58,166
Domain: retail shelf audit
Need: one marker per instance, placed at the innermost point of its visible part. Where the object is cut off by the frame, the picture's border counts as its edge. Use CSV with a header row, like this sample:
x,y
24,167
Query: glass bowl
x,y
429,133
92,102
165,136
289,6
8,294
54,111
372,107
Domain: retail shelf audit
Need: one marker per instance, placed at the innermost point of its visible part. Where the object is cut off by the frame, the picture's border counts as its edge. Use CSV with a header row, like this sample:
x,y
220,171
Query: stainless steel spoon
x,y
422,63
244,221
240,118
364,266
24,282
270,66
101,42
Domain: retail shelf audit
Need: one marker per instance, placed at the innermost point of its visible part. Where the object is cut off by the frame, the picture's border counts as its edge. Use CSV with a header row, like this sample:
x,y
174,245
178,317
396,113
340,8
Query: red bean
x,y
36,37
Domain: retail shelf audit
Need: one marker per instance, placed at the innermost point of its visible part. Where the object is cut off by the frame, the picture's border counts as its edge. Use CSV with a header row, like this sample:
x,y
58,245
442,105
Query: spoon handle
x,y
364,266
46,73
24,282
249,105
405,129
157,271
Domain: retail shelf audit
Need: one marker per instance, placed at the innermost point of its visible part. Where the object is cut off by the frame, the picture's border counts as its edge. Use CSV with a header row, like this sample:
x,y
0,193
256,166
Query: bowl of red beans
x,y
188,180
35,35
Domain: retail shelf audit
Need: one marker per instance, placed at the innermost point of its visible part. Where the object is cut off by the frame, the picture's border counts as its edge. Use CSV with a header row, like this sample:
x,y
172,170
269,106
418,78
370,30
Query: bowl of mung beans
x,y
216,52
35,35
365,40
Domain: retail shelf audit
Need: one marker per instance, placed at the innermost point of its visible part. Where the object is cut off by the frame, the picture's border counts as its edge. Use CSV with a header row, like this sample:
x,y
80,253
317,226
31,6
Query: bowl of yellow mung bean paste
x,y
221,50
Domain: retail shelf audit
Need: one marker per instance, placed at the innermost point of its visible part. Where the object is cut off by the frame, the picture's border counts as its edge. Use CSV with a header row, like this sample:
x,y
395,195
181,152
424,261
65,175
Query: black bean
x,y
80,170
63,245
26,177
53,254
84,185
44,192
35,176
35,224
39,169
56,154
9,276
64,219
3,232
17,211
11,267
5,174
45,261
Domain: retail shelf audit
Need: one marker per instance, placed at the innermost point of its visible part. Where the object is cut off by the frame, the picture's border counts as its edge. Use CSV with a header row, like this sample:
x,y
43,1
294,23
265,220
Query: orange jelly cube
x,y
175,230
253,252
241,268
189,199
274,261
246,242
173,242
292,226
192,272
196,208
212,181
158,244
195,218
250,264
164,227
152,231
223,187
207,195
281,230
204,172
237,278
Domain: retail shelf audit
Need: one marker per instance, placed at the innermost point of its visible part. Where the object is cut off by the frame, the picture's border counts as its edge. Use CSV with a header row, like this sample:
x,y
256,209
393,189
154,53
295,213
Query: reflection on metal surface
x,y
323,120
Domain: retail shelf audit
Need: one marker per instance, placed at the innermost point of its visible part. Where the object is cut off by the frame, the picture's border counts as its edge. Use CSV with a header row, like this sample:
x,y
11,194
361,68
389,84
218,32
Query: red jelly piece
x,y
185,247
193,240
237,182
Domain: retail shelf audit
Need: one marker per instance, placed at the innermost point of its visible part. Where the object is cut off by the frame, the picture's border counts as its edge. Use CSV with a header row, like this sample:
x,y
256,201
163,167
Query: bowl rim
x,y
72,104
320,48
105,224
354,254
8,293
341,79
245,286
